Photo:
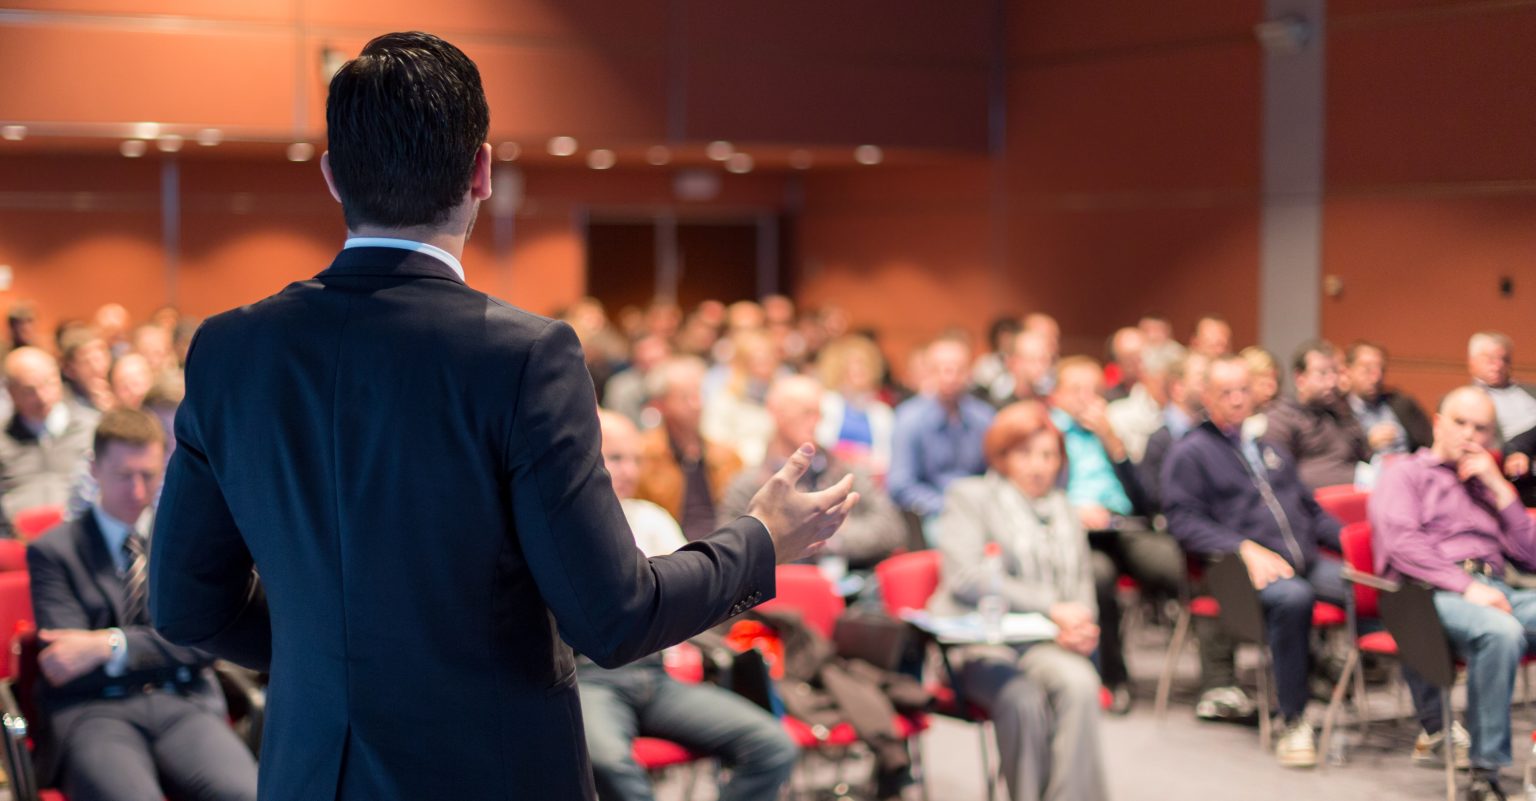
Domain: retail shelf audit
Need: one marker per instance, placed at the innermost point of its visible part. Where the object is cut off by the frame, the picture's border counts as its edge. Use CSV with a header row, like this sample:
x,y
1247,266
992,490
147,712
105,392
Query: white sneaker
x,y
1429,749
1297,747
1224,703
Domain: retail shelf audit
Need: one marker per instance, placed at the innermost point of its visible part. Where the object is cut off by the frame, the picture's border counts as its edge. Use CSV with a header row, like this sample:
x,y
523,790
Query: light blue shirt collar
x,y
407,244
114,532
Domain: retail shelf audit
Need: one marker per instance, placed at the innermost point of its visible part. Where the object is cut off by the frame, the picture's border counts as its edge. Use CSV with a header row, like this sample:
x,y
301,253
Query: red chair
x,y
1344,502
13,555
906,582
31,523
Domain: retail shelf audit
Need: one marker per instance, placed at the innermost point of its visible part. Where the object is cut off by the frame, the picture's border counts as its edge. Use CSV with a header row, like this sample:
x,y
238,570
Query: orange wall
x,y
1431,181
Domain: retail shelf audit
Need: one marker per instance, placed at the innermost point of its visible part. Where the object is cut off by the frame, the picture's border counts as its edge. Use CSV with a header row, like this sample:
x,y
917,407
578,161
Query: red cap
x,y
996,549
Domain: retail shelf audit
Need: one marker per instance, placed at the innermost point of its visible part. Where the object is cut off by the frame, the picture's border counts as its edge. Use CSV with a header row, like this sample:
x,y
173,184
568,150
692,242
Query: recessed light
x,y
719,150
868,154
133,148
739,163
301,151
658,155
208,137
13,133
801,159
601,159
146,130
509,151
169,143
563,146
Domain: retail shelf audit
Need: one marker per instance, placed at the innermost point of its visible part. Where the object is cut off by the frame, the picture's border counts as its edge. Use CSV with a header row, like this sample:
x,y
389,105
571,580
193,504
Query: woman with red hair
x,y
1043,697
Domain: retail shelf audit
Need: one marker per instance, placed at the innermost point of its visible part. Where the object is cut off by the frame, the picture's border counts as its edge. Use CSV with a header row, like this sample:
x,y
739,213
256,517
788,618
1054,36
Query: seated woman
x,y
1043,697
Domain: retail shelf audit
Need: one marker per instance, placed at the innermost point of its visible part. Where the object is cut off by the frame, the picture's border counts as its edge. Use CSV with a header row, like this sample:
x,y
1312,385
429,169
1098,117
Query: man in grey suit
x,y
414,469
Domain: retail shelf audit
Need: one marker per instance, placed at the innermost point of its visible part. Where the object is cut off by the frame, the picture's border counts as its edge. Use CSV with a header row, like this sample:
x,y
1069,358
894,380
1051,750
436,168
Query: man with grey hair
x,y
682,471
1447,517
1489,354
47,440
873,530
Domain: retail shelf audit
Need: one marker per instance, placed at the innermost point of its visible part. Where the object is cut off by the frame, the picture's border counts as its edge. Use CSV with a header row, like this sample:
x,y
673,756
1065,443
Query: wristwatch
x,y
118,643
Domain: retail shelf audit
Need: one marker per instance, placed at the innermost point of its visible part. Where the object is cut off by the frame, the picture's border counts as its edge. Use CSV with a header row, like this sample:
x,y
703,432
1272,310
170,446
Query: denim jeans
x,y
1492,642
1288,622
641,699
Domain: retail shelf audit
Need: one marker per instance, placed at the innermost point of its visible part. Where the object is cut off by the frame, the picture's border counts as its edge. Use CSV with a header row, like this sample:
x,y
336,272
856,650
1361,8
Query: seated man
x,y
128,715
1392,420
1225,493
1447,517
44,445
872,531
683,472
1316,428
937,436
641,699
1104,492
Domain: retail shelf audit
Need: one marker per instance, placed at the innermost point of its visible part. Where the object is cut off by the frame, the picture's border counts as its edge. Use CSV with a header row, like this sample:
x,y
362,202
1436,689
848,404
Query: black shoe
x,y
1485,788
1120,700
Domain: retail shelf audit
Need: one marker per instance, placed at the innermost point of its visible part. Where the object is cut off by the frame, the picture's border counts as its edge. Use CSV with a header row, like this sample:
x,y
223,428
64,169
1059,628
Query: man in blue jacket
x,y
1225,493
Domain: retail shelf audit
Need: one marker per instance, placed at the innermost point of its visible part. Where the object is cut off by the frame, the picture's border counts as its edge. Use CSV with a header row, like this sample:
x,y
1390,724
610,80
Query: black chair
x,y
1242,615
1409,615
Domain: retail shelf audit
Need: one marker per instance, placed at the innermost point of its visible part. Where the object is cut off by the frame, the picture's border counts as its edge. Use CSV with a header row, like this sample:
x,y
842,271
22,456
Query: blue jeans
x,y
1288,622
641,699
1492,642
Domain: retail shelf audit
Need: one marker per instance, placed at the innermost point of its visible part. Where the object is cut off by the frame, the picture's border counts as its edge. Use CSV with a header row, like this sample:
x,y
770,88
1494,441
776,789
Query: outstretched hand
x,y
801,522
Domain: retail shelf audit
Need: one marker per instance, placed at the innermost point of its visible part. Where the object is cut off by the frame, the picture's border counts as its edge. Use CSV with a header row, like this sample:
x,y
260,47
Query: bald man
x,y
1446,516
46,442
873,530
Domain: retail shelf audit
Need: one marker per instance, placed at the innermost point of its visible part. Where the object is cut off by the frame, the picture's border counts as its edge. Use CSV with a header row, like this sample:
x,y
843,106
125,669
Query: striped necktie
x,y
136,581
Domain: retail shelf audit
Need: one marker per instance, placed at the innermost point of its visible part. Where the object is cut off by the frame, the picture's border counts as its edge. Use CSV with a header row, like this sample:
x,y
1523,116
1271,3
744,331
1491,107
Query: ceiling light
x,y
13,133
868,154
132,148
208,137
601,159
509,151
301,151
719,150
563,146
146,130
739,163
658,155
801,159
169,143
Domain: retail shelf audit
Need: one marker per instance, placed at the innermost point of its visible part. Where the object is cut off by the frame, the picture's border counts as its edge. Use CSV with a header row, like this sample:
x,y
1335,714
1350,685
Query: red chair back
x,y
804,589
1355,540
1343,502
13,555
908,580
15,613
31,523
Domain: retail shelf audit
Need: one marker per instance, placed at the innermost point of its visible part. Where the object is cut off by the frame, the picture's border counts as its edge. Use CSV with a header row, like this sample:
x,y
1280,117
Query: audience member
x,y
991,378
1316,428
1186,383
1046,326
127,712
734,413
1212,337
154,343
855,423
1489,355
85,369
1125,353
46,440
937,436
625,392
21,321
1139,411
111,324
1101,484
1225,493
1265,372
1043,697
1031,370
1157,332
873,530
131,378
1393,422
641,700
1446,516
684,473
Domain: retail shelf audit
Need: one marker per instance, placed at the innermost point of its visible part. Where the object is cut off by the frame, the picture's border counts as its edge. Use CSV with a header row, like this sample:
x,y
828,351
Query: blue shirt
x,y
1091,479
932,448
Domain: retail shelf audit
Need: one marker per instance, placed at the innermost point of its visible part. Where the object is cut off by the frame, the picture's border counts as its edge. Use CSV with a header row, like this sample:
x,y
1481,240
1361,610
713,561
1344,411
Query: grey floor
x,y
1182,759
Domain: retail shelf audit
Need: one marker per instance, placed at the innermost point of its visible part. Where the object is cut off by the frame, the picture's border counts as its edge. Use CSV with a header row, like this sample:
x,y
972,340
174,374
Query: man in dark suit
x,y
121,704
414,469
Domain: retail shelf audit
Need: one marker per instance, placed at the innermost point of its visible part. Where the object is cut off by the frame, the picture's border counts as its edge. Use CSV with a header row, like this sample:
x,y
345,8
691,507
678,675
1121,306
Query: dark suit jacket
x,y
75,585
414,469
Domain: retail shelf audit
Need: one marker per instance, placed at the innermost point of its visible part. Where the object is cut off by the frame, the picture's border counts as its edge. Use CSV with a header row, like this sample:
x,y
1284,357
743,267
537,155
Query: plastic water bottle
x,y
1530,771
992,605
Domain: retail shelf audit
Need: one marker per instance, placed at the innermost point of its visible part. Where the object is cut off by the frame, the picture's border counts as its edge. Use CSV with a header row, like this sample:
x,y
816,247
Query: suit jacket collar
x,y
92,547
389,263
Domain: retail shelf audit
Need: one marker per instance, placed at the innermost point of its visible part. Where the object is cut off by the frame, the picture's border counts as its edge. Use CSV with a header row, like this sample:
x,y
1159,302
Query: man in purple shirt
x,y
1447,516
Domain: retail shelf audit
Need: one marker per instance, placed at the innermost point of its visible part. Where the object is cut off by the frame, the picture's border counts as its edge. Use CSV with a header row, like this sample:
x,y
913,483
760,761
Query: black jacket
x,y
414,469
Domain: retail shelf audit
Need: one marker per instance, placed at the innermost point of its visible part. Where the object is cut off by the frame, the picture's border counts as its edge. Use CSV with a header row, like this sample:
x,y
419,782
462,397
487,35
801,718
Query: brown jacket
x,y
661,477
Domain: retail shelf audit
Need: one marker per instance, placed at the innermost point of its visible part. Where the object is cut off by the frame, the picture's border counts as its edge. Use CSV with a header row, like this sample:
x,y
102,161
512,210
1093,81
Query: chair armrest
x,y
247,701
18,755
1374,582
